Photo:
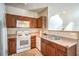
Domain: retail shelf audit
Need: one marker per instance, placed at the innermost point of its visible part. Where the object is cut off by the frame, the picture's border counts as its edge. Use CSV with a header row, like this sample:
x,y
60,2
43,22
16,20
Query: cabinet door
x,y
11,46
33,23
33,42
50,50
39,22
60,53
43,48
10,21
42,22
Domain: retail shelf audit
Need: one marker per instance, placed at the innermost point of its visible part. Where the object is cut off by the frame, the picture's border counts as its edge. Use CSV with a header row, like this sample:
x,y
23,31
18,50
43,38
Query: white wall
x,y
44,12
67,12
3,31
22,12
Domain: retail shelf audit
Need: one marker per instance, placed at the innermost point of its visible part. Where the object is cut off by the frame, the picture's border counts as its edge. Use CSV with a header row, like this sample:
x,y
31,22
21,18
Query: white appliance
x,y
23,41
23,23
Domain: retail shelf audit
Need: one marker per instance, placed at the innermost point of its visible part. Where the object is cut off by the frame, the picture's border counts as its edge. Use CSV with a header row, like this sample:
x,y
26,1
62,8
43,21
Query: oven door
x,y
23,44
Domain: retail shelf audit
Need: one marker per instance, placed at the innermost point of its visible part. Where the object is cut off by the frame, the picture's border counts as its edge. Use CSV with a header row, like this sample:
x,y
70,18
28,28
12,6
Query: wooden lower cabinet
x,y
11,46
43,48
47,50
60,53
52,49
33,42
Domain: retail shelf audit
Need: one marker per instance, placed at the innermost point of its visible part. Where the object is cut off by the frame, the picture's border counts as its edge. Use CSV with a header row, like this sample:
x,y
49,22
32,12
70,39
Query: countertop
x,y
11,36
31,34
63,41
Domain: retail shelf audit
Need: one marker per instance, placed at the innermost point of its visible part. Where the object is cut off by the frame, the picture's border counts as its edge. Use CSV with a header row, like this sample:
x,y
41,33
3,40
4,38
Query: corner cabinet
x,y
52,49
11,21
42,22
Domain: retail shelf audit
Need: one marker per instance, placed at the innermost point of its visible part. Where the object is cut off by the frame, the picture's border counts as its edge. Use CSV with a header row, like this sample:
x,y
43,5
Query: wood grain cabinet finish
x,y
39,23
60,53
11,46
42,22
33,42
52,49
23,18
11,21
46,48
43,48
33,23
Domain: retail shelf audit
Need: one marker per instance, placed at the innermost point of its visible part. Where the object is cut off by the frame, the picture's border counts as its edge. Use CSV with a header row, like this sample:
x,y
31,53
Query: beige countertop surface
x,y
15,35
63,41
12,36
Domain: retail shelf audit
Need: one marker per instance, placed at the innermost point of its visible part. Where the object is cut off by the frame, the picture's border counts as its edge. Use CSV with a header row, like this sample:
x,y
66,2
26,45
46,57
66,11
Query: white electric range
x,y
23,41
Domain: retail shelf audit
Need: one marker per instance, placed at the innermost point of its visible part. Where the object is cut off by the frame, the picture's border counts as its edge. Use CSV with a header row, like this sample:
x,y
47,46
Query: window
x,y
55,23
70,26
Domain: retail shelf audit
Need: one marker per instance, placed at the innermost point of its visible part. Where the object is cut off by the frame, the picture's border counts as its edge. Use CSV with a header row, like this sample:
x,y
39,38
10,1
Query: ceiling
x,y
36,7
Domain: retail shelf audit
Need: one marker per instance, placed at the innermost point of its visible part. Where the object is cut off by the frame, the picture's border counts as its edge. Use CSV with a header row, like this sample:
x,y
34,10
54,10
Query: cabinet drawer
x,y
60,53
61,48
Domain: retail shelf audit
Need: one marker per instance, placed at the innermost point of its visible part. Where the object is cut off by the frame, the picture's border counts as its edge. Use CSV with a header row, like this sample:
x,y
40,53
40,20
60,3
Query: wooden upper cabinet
x,y
23,18
33,23
39,23
11,21
42,22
